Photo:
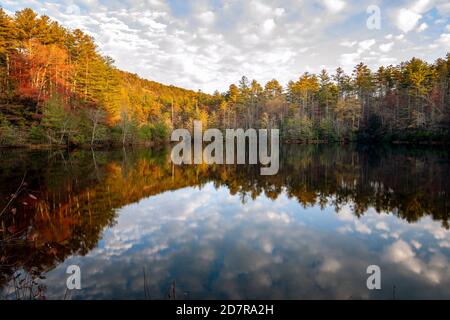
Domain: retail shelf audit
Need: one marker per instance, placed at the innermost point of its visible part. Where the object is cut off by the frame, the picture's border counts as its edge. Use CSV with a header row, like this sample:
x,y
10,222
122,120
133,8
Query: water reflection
x,y
226,231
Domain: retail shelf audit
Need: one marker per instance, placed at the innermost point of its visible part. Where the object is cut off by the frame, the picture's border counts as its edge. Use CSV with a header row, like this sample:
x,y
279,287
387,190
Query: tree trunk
x,y
93,133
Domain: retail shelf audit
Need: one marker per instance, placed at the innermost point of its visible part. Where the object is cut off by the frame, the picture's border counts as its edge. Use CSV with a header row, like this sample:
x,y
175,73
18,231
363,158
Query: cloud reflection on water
x,y
214,246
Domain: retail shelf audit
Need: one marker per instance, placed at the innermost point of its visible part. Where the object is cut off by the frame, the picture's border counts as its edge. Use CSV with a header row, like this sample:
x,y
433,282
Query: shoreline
x,y
162,145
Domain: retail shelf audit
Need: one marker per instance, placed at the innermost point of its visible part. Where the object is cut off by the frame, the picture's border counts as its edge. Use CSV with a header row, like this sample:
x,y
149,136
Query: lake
x,y
141,228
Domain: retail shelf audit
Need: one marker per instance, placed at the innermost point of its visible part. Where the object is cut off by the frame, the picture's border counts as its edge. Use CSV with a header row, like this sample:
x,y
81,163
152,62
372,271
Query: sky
x,y
209,44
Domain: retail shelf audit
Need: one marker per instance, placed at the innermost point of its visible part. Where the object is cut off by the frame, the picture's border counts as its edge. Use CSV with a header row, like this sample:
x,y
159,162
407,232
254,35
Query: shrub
x,y
160,132
7,137
145,133
299,129
57,121
37,134
326,130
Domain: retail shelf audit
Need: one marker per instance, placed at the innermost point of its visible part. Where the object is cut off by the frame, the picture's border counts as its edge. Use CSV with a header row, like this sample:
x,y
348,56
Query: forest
x,y
56,89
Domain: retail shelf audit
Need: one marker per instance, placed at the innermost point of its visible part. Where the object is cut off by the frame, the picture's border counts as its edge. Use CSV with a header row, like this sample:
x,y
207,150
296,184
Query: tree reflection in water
x,y
68,199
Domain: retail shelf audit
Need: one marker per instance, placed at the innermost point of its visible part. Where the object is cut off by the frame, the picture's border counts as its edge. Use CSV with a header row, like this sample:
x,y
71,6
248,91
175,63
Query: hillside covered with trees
x,y
57,89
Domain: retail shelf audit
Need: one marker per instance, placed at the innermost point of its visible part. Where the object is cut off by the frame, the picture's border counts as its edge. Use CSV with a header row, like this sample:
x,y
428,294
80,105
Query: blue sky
x,y
208,44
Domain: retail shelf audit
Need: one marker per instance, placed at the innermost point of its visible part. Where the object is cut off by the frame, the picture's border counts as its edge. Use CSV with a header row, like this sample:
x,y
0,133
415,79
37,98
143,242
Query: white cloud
x,y
444,244
348,44
362,228
422,27
421,6
346,214
279,12
443,6
407,19
416,244
385,60
260,8
382,226
330,265
444,39
334,6
206,17
399,251
366,44
348,60
268,25
386,47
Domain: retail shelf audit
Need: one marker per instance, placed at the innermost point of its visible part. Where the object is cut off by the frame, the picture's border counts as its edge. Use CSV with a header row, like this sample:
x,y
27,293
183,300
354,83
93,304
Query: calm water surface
x,y
138,226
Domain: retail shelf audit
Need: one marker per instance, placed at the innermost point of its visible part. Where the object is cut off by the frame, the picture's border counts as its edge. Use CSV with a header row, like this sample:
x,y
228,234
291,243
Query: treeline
x,y
408,102
56,88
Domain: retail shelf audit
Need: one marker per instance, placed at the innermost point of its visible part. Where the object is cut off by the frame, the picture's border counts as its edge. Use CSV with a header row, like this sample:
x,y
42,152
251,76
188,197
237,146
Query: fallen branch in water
x,y
15,195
